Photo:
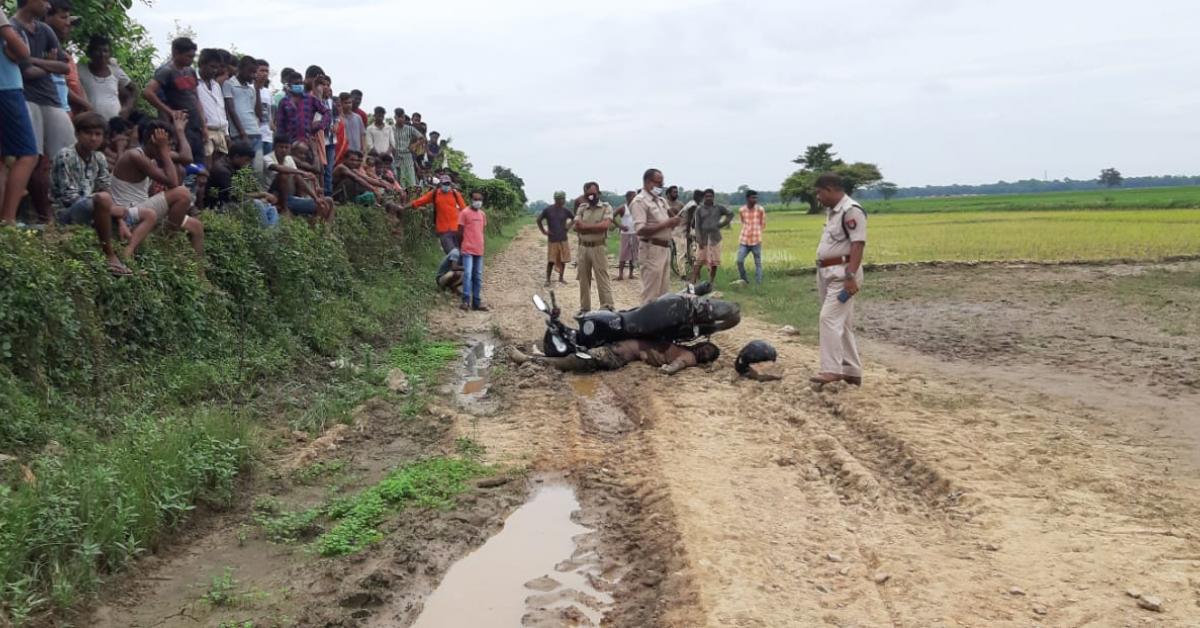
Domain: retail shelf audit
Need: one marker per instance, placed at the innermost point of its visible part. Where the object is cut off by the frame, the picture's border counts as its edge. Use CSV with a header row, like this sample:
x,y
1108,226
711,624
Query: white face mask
x,y
591,198
477,204
659,191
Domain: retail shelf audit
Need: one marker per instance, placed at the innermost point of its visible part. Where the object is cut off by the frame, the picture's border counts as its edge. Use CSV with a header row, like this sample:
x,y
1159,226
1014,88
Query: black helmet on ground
x,y
753,353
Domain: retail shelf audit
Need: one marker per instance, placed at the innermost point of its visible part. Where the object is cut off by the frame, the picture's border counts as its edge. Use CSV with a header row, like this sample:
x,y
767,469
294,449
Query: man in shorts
x,y
296,189
79,181
16,130
554,221
709,219
154,161
52,128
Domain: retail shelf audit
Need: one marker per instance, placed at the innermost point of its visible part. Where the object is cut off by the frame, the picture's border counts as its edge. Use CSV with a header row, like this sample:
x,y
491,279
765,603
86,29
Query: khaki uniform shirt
x,y
589,215
648,208
834,241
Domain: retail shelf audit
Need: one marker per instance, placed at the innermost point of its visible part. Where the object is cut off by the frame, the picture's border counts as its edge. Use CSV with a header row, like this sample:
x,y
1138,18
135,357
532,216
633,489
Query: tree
x,y
515,182
887,189
131,45
1110,177
818,159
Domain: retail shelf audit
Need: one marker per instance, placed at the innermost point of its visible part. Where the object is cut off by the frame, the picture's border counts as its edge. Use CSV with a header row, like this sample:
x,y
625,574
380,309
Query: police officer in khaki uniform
x,y
839,277
653,224
593,219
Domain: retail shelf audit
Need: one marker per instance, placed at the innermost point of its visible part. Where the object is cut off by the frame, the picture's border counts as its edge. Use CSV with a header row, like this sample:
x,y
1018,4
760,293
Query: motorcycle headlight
x,y
589,327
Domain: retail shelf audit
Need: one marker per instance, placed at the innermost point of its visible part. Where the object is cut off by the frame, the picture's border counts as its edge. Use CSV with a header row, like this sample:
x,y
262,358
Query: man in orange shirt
x,y
447,202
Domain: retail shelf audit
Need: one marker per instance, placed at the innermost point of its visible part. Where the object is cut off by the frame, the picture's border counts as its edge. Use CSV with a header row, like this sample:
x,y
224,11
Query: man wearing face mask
x,y
447,203
653,223
593,219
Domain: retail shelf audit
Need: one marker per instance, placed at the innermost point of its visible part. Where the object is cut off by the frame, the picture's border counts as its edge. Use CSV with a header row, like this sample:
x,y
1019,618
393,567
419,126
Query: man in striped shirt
x,y
754,219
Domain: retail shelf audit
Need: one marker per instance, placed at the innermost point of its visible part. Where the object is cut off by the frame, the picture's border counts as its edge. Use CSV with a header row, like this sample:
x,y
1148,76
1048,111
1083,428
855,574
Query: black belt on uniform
x,y
592,244
666,244
833,261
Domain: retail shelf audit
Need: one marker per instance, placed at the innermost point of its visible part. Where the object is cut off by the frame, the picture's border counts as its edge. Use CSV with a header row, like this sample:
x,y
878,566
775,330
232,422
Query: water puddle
x,y
473,384
585,386
542,569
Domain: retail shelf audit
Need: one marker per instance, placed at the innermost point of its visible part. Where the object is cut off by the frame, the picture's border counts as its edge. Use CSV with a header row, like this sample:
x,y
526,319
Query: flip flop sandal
x,y
117,269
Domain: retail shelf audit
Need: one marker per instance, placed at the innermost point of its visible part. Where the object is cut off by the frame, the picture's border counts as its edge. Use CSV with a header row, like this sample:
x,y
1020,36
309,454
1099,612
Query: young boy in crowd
x,y
296,189
154,161
355,130
16,129
79,182
471,223
243,106
212,102
221,192
121,135
301,153
349,184
177,82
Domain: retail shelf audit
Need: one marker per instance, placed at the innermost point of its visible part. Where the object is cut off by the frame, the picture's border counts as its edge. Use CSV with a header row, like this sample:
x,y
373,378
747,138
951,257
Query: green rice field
x,y
1145,234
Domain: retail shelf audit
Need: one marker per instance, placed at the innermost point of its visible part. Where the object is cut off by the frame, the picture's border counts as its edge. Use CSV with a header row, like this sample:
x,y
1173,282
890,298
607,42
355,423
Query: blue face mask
x,y
445,187
297,88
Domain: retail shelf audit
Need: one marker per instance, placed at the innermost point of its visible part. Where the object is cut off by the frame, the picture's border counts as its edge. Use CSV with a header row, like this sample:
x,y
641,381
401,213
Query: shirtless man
x,y
667,356
155,161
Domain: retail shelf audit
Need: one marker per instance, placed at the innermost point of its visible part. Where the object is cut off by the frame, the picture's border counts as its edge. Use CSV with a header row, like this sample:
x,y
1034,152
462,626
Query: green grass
x,y
1184,197
431,483
791,239
130,403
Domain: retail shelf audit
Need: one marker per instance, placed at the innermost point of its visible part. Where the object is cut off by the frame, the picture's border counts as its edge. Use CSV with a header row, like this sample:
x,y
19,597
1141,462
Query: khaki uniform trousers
x,y
839,352
656,271
593,262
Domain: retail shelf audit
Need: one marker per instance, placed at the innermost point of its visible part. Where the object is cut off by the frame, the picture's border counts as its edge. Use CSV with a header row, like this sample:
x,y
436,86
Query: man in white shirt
x,y
380,137
212,101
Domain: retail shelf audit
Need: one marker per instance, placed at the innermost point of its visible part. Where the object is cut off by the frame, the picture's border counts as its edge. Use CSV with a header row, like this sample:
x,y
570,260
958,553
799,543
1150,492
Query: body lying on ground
x,y
667,356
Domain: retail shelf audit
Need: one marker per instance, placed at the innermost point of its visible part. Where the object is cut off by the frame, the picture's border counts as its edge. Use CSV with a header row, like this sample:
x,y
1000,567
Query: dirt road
x,y
922,499
933,496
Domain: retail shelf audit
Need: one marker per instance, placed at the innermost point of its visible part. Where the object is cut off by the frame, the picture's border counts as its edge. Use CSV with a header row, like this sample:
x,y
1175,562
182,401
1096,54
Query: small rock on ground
x,y
1016,591
882,577
397,381
833,558
1151,603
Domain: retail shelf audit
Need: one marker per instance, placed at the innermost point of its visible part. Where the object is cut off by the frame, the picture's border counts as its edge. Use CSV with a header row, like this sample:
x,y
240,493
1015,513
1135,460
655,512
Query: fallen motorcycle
x,y
679,317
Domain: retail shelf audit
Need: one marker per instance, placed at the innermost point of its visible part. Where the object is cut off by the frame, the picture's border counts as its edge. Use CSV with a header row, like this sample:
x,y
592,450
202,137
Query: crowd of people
x,y
80,143
652,225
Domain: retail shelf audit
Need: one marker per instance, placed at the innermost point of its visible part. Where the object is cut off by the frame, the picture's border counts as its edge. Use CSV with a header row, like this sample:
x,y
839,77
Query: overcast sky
x,y
721,93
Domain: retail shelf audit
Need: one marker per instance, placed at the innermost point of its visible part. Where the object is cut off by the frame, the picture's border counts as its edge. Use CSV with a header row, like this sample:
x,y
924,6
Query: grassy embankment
x,y
128,403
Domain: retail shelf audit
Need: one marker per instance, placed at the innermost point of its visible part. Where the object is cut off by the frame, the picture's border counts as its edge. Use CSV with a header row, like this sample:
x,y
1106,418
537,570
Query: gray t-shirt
x,y
43,44
104,92
707,219
243,105
354,132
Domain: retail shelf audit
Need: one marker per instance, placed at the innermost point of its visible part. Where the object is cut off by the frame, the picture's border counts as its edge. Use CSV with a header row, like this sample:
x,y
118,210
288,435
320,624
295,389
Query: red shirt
x,y
362,114
472,221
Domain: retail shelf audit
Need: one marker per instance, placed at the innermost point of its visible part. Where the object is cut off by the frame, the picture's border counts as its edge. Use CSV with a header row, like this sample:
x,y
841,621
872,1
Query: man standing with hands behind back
x,y
593,219
653,224
839,275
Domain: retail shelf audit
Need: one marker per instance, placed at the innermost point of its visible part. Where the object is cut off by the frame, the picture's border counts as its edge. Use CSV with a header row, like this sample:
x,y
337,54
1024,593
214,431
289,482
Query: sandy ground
x,y
951,490
926,498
